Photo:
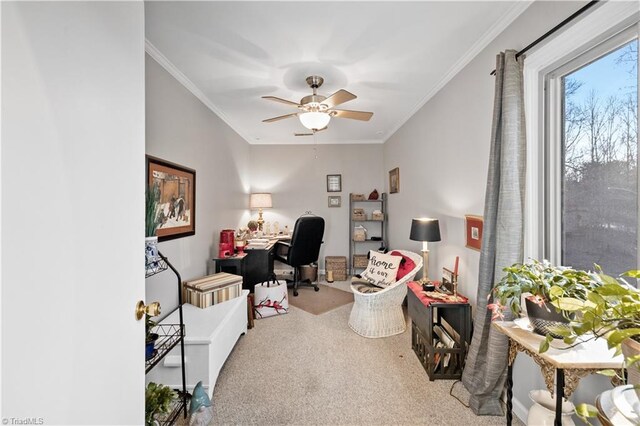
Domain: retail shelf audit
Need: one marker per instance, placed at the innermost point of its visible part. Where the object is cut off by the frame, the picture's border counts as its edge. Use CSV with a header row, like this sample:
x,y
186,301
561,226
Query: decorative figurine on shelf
x,y
276,228
267,228
200,409
374,195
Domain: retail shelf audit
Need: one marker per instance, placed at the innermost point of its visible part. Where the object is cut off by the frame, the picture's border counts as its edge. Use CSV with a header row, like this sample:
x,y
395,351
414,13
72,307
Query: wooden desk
x,y
569,365
255,267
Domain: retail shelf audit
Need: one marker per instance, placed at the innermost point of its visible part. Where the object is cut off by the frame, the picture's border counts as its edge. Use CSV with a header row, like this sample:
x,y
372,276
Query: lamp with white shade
x,y
425,230
260,200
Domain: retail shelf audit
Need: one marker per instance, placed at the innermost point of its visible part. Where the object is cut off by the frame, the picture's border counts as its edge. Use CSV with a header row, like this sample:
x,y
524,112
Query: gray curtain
x,y
503,235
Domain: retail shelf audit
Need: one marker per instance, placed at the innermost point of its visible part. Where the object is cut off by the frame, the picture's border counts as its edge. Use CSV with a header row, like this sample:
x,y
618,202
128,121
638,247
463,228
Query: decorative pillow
x,y
406,264
382,269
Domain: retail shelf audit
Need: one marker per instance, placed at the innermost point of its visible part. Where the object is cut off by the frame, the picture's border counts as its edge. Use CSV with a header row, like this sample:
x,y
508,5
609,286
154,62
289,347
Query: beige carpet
x,y
305,369
319,302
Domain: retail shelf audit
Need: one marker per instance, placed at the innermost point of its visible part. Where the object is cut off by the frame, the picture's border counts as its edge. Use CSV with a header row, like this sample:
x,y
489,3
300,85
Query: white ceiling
x,y
393,55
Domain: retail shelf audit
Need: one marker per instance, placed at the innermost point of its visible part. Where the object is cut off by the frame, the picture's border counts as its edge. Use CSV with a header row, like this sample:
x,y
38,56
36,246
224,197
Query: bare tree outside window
x,y
600,168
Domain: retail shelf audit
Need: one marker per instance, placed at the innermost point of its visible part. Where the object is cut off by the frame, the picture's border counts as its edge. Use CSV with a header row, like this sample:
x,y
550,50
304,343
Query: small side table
x,y
427,314
567,365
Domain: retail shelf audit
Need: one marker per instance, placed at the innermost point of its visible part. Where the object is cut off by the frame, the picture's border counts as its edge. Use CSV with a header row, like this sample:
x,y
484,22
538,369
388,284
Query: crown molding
x,y
503,22
188,84
307,140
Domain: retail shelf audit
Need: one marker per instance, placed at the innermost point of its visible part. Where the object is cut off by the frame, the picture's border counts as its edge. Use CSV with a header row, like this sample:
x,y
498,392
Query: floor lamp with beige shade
x,y
425,230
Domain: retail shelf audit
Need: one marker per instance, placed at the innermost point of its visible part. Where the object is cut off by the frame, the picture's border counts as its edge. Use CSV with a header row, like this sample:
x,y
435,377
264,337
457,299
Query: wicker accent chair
x,y
380,314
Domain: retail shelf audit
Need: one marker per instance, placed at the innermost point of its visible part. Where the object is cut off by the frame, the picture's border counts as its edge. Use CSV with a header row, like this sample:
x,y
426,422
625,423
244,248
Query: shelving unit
x,y
169,337
375,228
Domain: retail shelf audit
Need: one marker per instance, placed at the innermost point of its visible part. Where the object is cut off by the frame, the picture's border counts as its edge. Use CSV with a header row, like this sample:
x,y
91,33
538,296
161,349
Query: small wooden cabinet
x,y
441,358
255,267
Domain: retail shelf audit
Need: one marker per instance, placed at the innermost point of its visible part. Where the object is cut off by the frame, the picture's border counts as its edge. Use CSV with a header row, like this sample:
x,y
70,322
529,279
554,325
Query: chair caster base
x,y
316,288
295,293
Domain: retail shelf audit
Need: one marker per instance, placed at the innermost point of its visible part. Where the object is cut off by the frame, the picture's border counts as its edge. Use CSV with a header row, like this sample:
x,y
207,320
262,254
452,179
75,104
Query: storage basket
x,y
377,216
212,289
338,265
359,233
359,214
357,197
360,261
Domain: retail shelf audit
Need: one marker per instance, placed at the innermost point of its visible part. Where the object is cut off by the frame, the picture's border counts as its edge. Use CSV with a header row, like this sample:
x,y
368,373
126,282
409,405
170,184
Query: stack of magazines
x,y
444,340
257,243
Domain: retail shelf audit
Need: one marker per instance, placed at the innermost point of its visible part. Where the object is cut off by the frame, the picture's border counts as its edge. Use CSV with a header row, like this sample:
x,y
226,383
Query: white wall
x,y
443,152
73,217
182,130
296,175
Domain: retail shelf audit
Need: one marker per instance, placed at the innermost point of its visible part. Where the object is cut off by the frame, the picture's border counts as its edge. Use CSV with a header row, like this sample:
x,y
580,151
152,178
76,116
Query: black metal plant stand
x,y
169,336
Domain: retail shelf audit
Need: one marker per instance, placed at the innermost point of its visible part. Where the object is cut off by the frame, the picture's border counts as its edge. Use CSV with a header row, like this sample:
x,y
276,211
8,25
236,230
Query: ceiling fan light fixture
x,y
314,120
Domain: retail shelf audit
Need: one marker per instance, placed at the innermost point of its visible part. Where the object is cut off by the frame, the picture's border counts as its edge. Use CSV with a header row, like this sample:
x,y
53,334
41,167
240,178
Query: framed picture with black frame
x,y
177,203
334,183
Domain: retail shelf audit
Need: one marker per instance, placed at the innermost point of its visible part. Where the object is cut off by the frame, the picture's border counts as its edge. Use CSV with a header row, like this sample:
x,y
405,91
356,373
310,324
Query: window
x,y
591,174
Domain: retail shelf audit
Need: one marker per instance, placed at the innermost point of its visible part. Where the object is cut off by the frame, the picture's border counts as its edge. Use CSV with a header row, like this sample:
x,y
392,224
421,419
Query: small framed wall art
x,y
177,204
335,201
473,230
394,180
334,183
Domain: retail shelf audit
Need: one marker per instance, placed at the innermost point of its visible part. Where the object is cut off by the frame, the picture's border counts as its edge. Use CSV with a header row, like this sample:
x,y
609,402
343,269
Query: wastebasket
x,y
309,273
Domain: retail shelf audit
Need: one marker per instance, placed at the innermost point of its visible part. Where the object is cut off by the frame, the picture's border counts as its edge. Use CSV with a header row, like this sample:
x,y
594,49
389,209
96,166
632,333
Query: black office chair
x,y
304,247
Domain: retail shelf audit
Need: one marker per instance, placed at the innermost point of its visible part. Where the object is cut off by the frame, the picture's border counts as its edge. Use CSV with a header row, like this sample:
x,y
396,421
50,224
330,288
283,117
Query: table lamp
x,y
260,200
425,230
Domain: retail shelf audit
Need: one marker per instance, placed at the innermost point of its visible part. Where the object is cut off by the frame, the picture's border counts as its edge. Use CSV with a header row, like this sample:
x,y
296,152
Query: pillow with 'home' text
x,y
382,269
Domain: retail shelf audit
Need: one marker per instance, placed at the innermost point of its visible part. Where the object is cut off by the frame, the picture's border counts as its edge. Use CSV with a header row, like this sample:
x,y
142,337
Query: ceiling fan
x,y
316,110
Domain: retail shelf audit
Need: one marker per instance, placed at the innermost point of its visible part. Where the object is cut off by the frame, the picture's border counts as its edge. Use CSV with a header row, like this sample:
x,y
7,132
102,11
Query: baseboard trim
x,y
520,410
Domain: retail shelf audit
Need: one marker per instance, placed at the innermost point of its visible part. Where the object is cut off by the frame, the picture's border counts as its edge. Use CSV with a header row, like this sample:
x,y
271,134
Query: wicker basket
x,y
360,261
359,234
358,214
357,197
377,216
338,265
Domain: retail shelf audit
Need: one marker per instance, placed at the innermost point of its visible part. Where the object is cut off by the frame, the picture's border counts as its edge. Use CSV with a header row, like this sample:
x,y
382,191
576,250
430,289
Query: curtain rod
x,y
556,28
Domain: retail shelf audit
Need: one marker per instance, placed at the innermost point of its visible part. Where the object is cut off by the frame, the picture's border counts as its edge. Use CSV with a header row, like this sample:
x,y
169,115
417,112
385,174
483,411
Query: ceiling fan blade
x,y
340,97
354,115
281,117
282,101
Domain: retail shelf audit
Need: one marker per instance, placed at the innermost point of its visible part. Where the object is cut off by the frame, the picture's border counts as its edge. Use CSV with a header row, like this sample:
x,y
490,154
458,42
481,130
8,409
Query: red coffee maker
x,y
227,243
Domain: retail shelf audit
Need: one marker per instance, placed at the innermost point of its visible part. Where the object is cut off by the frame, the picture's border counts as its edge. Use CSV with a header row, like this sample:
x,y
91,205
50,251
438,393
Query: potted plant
x,y
151,337
612,312
153,220
158,399
538,282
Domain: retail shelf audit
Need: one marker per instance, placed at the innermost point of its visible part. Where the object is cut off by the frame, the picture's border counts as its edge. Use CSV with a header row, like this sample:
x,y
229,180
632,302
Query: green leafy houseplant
x,y
152,207
610,311
149,324
542,282
158,399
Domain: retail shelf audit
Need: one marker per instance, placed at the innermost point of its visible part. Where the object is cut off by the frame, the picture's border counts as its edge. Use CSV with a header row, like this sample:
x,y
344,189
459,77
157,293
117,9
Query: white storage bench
x,y
211,334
